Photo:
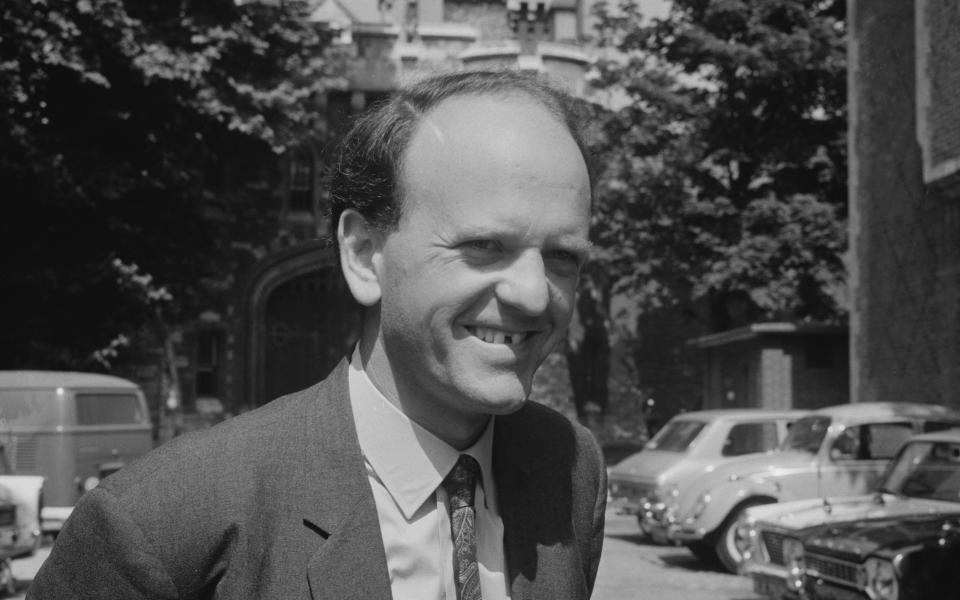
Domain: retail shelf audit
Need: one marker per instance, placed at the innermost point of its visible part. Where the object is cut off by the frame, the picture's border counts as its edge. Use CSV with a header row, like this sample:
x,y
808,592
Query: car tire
x,y
725,541
643,529
703,552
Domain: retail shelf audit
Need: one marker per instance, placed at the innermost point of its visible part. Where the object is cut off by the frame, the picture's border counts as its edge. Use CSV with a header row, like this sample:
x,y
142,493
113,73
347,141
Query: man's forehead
x,y
467,110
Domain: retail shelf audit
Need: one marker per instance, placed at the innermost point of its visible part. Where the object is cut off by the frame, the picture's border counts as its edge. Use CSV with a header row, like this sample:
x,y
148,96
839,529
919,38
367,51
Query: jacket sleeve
x,y
102,553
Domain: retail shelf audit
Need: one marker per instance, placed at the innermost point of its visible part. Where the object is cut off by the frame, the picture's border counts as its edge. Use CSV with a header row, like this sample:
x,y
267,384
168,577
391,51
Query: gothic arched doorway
x,y
300,320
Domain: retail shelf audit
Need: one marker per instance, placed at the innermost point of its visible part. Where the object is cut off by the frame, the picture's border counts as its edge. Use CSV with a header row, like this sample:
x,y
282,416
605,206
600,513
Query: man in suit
x,y
417,469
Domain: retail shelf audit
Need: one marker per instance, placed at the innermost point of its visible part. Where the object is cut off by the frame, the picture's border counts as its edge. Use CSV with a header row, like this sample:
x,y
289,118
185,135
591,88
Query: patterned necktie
x,y
460,484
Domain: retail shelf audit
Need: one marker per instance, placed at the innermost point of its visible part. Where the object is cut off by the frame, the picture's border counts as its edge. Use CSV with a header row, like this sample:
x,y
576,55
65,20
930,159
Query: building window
x,y
209,360
301,181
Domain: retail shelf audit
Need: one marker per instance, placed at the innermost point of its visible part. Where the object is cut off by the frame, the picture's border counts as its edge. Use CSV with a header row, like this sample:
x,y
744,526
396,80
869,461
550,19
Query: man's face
x,y
478,281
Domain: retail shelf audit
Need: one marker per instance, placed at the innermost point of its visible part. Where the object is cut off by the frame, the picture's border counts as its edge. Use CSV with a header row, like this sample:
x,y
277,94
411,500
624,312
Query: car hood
x,y
856,540
801,514
769,463
645,466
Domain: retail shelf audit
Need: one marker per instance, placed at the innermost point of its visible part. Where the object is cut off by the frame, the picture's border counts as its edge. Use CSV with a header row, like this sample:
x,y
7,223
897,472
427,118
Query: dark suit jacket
x,y
275,503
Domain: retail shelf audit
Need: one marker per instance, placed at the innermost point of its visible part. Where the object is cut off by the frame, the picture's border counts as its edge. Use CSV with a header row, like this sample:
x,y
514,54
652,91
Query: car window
x,y
747,438
927,470
676,436
807,434
873,441
929,426
29,407
108,409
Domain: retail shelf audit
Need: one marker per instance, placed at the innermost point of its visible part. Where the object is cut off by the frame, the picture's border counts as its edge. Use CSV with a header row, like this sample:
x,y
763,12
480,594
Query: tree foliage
x,y
722,161
125,125
726,167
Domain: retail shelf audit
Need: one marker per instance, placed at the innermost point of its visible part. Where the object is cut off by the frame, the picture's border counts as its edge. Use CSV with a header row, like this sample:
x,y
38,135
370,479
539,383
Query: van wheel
x,y
8,585
729,543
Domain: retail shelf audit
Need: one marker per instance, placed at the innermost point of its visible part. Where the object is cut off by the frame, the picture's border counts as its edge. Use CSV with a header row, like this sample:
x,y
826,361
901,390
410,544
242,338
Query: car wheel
x,y
643,529
729,543
704,553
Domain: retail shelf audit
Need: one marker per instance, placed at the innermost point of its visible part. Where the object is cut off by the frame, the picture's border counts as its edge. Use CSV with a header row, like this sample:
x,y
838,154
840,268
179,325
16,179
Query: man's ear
x,y
360,252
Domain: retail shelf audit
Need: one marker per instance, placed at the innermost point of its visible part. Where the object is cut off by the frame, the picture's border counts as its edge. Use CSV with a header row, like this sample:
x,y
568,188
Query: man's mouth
x,y
498,336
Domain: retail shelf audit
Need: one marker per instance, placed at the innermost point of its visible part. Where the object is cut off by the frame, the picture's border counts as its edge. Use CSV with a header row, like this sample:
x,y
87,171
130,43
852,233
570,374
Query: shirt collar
x,y
410,461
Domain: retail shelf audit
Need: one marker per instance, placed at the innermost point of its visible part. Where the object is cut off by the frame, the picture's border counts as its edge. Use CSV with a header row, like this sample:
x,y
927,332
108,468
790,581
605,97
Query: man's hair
x,y
367,175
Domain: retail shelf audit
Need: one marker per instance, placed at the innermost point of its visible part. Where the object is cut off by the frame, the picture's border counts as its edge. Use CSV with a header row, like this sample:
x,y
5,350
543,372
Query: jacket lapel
x,y
339,506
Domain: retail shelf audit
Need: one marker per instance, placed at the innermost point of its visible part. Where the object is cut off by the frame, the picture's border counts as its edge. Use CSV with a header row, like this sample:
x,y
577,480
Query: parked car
x,y
916,485
895,557
72,429
9,546
26,493
835,451
689,444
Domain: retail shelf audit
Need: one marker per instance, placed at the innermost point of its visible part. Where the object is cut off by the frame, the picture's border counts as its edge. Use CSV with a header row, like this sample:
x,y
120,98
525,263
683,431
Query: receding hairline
x,y
550,104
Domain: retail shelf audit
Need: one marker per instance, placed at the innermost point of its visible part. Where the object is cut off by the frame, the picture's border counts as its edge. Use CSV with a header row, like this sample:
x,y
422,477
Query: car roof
x,y
946,435
871,410
55,379
740,414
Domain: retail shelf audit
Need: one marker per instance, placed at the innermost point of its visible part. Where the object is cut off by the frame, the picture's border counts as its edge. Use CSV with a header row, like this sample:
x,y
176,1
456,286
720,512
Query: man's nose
x,y
524,284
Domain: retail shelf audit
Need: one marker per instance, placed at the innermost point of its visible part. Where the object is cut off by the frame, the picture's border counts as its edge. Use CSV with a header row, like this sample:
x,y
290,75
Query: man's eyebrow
x,y
577,245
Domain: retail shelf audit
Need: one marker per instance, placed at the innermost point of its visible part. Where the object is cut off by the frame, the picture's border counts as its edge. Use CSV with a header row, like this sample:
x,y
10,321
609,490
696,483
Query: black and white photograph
x,y
480,299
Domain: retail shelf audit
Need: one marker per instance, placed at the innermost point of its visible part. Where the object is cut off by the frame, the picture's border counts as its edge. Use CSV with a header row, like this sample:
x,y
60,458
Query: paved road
x,y
630,569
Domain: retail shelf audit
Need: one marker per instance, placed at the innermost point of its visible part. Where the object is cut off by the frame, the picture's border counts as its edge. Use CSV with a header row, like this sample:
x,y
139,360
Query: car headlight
x,y
793,559
89,483
881,579
701,505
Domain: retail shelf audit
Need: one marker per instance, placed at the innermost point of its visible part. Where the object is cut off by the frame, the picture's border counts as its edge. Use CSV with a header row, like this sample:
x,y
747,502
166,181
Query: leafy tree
x,y
722,186
128,129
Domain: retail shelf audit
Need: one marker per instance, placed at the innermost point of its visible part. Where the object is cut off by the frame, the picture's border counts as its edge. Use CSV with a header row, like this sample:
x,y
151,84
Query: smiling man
x,y
418,469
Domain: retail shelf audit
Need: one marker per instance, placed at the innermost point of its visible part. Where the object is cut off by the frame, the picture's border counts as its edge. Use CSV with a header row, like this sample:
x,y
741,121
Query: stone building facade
x,y
904,157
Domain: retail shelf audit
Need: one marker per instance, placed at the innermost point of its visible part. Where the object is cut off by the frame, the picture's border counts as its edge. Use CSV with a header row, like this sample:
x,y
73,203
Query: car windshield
x,y
807,434
676,436
926,470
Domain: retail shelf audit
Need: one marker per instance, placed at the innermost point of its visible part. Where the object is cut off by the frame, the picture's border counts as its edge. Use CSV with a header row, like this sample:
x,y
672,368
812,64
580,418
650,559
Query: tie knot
x,y
461,481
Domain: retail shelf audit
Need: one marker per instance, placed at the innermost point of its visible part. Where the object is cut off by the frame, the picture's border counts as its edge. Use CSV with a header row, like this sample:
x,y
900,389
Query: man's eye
x,y
483,245
564,256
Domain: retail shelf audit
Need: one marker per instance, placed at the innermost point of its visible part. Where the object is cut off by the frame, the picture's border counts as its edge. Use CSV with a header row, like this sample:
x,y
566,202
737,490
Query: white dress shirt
x,y
405,466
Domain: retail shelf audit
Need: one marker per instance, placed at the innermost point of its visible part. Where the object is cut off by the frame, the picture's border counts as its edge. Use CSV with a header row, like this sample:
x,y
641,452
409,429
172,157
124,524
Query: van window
x,y
29,407
108,409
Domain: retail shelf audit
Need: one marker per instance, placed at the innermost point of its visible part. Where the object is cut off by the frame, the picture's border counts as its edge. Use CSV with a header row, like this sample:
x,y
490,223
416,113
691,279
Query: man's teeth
x,y
496,336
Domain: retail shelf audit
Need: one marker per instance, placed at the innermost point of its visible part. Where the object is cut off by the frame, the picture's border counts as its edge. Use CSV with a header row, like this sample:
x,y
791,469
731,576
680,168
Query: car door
x,y
859,455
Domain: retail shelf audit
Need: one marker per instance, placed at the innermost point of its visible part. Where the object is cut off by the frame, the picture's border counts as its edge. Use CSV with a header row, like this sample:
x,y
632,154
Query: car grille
x,y
773,542
23,452
8,515
832,569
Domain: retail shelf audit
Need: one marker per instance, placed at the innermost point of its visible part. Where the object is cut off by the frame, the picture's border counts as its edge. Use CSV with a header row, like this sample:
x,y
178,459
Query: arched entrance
x,y
299,321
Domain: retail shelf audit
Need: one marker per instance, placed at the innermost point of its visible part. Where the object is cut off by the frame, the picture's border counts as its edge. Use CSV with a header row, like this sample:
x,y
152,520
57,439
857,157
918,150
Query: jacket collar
x,y
338,505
